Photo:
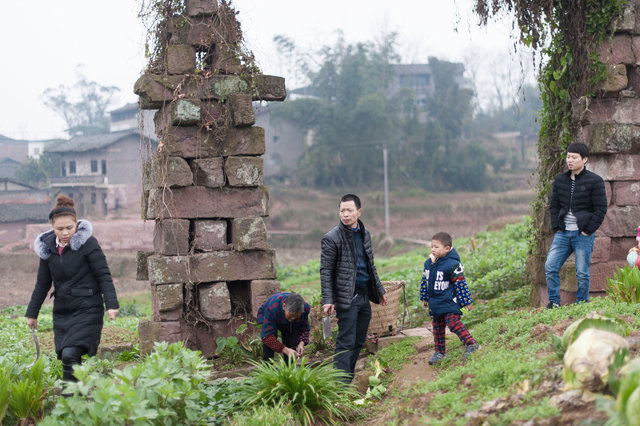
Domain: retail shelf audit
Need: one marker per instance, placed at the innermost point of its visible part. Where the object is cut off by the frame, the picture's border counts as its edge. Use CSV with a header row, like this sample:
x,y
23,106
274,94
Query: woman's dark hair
x,y
351,197
65,206
294,303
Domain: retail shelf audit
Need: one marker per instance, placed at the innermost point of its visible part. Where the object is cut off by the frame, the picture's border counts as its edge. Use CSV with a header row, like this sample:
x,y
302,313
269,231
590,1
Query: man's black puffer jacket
x,y
588,204
338,267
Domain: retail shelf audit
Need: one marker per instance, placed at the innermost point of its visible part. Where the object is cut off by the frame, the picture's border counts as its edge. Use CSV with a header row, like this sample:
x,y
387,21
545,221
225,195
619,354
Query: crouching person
x,y
288,314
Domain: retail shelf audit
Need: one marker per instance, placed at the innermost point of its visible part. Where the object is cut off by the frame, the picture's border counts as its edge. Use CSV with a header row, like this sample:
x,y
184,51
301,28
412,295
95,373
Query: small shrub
x,y
314,393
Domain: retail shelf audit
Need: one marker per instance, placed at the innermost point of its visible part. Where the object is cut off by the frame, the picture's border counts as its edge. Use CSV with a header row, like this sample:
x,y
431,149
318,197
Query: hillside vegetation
x,y
517,377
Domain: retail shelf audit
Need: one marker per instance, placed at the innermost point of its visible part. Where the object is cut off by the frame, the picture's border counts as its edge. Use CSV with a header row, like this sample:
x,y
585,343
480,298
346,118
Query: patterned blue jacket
x,y
443,285
271,316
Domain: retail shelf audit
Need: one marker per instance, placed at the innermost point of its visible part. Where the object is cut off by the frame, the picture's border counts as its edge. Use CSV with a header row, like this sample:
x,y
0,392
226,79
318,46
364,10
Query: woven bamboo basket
x,y
384,319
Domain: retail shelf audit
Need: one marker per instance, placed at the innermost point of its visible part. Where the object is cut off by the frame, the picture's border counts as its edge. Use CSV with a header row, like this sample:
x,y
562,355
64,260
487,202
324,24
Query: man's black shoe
x,y
552,305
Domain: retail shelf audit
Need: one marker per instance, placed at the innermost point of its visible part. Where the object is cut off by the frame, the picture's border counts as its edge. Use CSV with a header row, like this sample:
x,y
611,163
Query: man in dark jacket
x,y
578,206
349,281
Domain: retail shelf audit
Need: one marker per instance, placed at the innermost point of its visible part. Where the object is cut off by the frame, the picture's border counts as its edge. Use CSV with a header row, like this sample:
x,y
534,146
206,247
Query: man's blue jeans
x,y
565,243
352,334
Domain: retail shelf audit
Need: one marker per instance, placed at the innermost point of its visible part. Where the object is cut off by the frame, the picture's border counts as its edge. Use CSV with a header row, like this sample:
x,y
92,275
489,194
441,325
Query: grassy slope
x,y
517,355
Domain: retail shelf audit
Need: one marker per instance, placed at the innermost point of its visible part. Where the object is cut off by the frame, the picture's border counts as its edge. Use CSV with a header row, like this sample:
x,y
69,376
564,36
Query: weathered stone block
x,y
628,21
620,247
210,235
243,113
217,87
626,193
182,112
611,110
599,272
226,58
198,202
216,114
209,172
568,280
215,301
234,266
148,334
212,267
191,142
621,221
249,233
260,291
244,171
201,7
171,172
181,59
142,271
269,88
607,138
601,249
171,237
616,78
615,167
171,332
166,302
618,50
196,31
244,141
155,90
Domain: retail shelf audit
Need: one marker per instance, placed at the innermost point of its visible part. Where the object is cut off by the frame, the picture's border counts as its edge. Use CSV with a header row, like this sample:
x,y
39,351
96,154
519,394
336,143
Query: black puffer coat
x,y
338,267
81,278
588,204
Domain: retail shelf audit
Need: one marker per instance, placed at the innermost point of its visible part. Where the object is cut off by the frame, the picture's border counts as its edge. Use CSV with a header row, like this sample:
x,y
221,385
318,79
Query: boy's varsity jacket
x,y
443,281
271,316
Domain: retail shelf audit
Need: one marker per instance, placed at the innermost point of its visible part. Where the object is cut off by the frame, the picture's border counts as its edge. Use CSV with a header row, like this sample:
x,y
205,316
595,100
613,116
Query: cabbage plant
x,y
588,358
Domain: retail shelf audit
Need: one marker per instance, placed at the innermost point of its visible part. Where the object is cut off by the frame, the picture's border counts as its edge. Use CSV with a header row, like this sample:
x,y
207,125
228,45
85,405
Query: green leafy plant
x,y
230,350
223,400
376,389
628,398
624,286
168,384
314,393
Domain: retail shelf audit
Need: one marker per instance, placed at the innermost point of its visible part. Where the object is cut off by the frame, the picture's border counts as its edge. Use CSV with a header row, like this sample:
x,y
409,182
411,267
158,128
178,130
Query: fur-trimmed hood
x,y
84,231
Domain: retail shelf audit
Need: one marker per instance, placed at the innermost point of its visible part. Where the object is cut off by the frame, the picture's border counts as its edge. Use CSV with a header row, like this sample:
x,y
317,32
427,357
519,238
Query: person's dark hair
x,y
351,197
294,303
579,148
65,206
444,238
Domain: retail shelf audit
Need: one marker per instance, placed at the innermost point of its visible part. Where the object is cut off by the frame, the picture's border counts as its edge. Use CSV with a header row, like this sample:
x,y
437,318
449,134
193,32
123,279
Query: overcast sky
x,y
45,42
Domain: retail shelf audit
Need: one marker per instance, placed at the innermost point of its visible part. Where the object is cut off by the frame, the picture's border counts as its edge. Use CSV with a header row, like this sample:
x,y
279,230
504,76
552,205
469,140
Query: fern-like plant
x,y
313,393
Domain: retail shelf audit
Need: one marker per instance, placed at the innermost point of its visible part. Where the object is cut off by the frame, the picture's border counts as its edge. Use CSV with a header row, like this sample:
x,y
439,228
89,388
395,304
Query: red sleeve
x,y
271,341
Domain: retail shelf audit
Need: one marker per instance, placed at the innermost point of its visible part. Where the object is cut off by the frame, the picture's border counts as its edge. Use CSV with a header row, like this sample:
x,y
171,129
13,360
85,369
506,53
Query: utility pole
x,y
386,190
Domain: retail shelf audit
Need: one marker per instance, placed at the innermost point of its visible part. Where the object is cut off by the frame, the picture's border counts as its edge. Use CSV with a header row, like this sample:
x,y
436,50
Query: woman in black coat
x,y
73,261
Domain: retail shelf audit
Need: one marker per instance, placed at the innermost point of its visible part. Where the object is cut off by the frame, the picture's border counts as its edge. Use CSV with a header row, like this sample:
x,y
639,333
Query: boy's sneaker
x,y
471,349
552,305
437,356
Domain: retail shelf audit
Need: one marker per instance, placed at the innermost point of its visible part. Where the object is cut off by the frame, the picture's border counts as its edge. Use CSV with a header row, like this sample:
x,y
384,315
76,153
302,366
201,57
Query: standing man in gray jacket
x,y
349,281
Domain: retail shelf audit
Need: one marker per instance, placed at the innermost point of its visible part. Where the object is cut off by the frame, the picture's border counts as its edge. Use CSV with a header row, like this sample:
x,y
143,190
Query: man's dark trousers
x,y
352,333
289,340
